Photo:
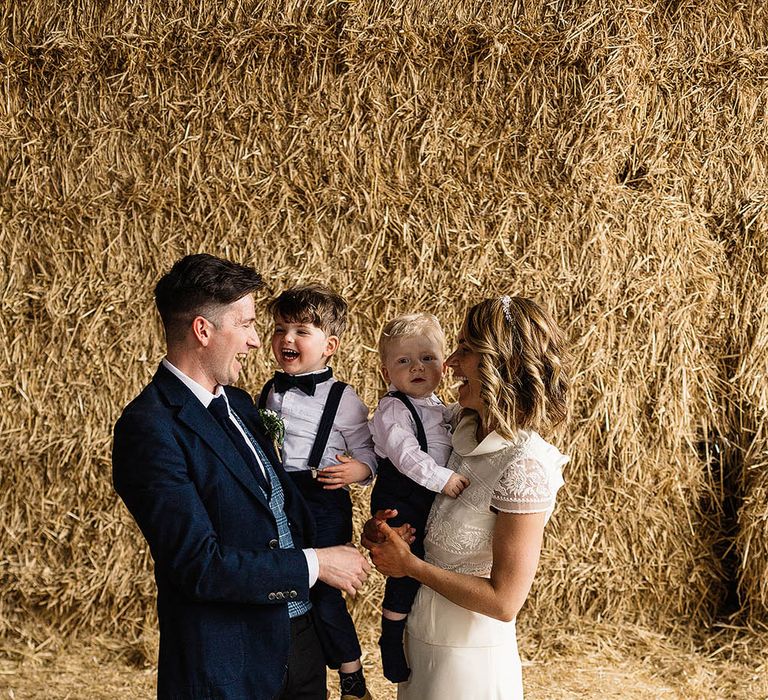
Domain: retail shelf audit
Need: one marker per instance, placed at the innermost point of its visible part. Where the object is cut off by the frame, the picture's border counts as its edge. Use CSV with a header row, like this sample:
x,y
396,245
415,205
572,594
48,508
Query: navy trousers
x,y
305,679
413,502
333,519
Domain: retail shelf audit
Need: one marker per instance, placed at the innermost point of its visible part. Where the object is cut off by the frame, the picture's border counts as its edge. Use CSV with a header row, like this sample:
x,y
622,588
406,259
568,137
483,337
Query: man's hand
x,y
343,567
455,485
373,535
347,471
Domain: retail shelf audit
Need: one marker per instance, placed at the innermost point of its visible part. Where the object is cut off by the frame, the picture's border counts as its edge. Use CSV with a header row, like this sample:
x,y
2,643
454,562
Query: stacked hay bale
x,y
413,157
748,410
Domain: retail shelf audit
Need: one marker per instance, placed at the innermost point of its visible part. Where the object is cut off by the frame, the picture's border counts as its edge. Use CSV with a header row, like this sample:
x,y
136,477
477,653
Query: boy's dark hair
x,y
199,285
312,303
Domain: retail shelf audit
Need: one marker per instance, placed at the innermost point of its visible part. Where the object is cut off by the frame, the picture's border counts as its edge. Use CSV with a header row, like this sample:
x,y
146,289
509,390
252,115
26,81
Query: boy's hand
x,y
348,471
456,484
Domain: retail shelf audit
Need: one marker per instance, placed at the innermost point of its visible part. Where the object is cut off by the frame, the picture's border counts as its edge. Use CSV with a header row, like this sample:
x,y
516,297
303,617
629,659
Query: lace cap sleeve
x,y
528,485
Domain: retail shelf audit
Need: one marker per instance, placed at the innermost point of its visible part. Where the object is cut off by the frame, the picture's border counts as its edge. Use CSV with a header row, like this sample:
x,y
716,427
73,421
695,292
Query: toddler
x,y
411,436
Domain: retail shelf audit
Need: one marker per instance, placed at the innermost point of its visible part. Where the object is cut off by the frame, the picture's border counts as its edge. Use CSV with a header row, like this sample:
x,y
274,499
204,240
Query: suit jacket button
x,y
293,594
279,595
273,544
271,596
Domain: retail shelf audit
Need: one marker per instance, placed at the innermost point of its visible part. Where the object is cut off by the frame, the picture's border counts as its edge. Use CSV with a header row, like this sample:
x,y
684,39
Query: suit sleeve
x,y
151,476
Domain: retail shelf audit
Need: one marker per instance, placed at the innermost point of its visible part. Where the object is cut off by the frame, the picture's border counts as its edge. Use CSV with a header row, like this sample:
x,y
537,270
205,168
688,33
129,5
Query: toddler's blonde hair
x,y
409,325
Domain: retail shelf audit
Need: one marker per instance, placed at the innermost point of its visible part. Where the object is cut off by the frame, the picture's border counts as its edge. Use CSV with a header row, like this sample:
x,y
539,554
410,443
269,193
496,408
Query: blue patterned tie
x,y
218,407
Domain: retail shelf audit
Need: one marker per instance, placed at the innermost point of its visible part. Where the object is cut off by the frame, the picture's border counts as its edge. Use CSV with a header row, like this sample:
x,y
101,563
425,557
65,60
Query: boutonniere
x,y
274,426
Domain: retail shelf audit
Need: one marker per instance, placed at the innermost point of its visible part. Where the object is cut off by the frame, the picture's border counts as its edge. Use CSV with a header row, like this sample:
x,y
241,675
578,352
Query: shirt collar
x,y
430,400
314,371
465,439
201,393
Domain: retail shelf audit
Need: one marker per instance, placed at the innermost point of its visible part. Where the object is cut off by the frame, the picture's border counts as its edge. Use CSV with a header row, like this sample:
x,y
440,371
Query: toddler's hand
x,y
372,529
371,534
456,484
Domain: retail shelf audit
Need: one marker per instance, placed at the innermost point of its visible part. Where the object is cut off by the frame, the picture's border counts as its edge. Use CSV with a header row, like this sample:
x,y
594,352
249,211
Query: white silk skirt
x,y
457,654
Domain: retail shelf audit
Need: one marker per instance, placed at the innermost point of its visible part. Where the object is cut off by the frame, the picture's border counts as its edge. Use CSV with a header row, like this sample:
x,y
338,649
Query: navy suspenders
x,y
265,393
326,420
420,434
393,489
326,424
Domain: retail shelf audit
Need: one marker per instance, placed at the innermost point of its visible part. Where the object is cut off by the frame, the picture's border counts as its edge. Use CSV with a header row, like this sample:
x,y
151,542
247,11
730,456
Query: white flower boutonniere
x,y
274,426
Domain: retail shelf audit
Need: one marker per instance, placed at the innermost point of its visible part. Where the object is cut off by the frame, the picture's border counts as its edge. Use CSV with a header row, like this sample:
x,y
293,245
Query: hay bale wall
x,y
607,158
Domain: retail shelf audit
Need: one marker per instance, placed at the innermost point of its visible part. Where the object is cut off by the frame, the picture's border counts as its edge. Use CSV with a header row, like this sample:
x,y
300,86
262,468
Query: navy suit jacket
x,y
213,539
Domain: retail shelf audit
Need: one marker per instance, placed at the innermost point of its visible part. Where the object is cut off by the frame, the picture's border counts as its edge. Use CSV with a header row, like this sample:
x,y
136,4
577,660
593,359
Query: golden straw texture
x,y
607,158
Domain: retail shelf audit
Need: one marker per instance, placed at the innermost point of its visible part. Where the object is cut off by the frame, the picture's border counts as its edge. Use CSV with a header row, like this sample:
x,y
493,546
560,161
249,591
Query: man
x,y
228,531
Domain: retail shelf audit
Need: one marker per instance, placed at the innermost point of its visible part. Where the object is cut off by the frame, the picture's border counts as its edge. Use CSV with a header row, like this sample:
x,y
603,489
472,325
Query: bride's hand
x,y
391,554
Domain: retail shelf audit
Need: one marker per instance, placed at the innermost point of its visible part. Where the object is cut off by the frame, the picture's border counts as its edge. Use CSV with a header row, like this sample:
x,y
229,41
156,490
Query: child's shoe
x,y
367,696
353,686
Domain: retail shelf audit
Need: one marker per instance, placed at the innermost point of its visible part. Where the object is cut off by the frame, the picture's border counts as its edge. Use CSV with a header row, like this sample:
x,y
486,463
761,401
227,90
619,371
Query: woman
x,y
482,549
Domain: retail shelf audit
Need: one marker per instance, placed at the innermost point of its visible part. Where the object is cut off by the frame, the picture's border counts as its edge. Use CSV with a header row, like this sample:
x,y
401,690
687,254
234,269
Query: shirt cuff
x,y
439,479
312,565
369,480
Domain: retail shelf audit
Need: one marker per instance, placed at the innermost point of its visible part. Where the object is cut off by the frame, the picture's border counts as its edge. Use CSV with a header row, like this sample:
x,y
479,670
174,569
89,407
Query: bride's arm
x,y
516,548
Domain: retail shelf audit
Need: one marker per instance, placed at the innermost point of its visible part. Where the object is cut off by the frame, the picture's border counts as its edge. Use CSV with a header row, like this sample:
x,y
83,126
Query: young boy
x,y
327,446
412,438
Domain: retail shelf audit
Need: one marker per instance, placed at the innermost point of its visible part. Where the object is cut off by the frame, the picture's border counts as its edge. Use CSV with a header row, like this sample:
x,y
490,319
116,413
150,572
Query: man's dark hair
x,y
199,285
314,304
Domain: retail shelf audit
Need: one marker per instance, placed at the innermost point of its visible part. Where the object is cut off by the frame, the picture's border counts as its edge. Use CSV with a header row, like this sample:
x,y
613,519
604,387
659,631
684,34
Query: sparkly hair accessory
x,y
505,302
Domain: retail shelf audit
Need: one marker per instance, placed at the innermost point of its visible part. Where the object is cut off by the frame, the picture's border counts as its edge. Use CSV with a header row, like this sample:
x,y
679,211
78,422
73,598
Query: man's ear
x,y
201,328
331,345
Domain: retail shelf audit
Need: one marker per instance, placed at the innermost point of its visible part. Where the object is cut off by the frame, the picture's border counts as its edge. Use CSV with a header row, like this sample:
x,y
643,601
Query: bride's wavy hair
x,y
523,364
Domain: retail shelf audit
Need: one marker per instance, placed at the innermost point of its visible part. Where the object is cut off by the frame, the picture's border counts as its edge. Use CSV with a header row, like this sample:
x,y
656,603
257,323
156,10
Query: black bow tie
x,y
305,382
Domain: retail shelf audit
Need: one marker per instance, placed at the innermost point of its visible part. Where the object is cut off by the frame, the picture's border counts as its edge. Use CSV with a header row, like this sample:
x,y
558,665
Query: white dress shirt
x,y
205,397
301,416
394,437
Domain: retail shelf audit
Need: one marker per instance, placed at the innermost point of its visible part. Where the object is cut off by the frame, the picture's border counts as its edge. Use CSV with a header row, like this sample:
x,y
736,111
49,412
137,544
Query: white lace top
x,y
521,476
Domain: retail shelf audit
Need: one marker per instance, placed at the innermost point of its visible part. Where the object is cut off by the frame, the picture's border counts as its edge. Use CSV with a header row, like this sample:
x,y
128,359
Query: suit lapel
x,y
250,416
196,417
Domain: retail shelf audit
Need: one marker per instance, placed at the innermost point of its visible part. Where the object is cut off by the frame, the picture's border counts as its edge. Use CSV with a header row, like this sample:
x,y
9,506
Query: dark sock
x,y
392,653
352,683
